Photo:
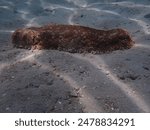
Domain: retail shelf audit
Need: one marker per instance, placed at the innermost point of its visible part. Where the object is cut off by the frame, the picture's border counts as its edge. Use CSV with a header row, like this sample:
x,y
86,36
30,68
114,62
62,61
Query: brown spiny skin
x,y
72,38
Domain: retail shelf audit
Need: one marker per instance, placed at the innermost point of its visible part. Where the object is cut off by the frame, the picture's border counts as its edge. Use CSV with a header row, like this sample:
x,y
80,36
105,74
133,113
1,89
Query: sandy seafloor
x,y
55,81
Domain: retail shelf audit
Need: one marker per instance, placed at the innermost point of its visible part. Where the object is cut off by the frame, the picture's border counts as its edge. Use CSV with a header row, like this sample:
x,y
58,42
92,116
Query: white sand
x,y
53,81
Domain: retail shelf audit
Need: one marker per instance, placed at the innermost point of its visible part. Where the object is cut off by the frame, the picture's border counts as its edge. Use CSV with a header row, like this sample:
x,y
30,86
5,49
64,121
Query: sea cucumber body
x,y
72,38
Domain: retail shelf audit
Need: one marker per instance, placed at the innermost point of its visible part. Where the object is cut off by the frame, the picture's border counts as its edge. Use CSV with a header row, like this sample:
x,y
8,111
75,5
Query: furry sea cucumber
x,y
72,38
